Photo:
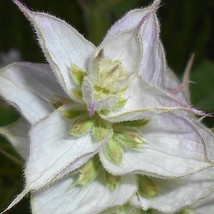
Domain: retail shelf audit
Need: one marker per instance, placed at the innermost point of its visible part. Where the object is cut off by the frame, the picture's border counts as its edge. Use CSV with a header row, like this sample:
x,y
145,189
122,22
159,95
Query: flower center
x,y
82,124
103,86
108,77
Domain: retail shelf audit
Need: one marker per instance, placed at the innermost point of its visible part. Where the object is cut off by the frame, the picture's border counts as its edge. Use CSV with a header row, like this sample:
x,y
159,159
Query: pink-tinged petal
x,y
172,147
64,197
17,134
62,45
176,194
29,88
54,152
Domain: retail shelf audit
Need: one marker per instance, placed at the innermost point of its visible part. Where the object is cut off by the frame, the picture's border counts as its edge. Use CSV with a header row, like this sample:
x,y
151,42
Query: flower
x,y
104,117
177,194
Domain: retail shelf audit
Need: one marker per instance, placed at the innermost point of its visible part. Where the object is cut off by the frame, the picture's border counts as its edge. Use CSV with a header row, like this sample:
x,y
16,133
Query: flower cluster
x,y
107,129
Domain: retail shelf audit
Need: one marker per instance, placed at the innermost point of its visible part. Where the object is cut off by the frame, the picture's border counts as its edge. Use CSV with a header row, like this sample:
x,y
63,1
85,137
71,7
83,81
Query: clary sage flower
x,y
105,121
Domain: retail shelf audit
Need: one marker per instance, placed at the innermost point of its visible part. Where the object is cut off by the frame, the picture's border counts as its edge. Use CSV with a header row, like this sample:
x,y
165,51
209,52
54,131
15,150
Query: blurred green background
x,y
186,27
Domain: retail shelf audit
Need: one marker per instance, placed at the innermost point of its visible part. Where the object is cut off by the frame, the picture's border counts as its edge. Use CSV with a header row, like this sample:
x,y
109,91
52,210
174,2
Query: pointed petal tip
x,y
22,7
16,200
201,113
18,3
156,4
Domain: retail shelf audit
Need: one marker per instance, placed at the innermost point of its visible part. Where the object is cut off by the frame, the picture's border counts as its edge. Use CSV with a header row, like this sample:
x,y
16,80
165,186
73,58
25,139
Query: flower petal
x,y
54,152
172,85
153,63
138,33
205,205
125,209
144,101
176,194
128,22
62,45
29,87
208,137
124,47
63,197
17,134
173,147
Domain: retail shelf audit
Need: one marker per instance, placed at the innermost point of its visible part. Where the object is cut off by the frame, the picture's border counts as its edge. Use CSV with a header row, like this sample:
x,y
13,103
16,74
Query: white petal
x,y
175,194
153,63
16,200
173,147
128,22
17,134
61,44
204,206
135,40
29,87
62,197
125,209
54,152
144,101
208,137
126,48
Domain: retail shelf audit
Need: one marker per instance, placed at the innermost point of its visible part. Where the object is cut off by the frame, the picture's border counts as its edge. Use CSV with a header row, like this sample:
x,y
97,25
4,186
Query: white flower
x,y
105,117
178,194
